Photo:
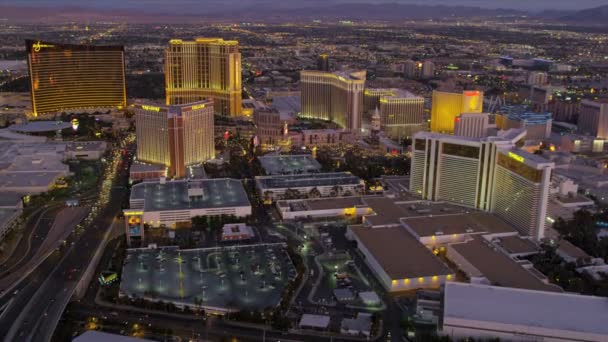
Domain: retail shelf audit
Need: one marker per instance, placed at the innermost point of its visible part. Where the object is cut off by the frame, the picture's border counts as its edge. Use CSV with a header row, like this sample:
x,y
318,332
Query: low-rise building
x,y
87,150
399,261
358,326
317,322
236,231
174,203
289,164
309,185
352,206
484,312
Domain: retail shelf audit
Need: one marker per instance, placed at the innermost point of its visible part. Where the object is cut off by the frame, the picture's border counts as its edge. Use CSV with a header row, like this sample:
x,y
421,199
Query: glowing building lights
x,y
516,157
207,68
74,77
446,107
336,97
175,136
150,108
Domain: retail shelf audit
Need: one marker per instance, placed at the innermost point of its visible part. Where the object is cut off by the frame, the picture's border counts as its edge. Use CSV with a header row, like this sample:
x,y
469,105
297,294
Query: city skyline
x,y
339,170
189,6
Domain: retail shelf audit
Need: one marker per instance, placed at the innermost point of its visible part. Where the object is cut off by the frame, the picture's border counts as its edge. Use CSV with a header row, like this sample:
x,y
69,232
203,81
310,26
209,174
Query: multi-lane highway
x,y
30,310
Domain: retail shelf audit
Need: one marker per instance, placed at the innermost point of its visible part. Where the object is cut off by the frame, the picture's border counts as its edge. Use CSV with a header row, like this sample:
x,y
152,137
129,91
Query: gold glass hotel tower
x,y
204,68
336,97
175,136
73,77
446,107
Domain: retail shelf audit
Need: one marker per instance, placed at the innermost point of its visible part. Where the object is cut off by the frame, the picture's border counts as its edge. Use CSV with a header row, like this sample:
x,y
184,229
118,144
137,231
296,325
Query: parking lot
x,y
249,277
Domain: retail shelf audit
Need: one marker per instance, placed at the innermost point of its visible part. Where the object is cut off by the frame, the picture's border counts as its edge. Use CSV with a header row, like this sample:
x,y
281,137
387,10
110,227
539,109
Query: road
x,y
36,228
53,277
151,326
42,296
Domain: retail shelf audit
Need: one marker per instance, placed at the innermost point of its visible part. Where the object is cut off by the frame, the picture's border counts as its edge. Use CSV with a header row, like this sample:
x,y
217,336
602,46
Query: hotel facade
x,y
336,97
401,112
175,136
66,77
489,174
446,107
206,68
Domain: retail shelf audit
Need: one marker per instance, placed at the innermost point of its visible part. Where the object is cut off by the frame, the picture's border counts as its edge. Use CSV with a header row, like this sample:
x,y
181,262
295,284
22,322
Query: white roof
x,y
314,321
549,310
98,336
369,297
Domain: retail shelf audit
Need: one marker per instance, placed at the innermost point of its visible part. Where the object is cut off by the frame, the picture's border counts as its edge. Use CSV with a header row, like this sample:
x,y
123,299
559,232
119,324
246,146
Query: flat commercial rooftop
x,y
173,195
288,164
497,267
472,223
10,200
40,126
87,146
570,249
549,310
145,167
399,254
389,213
334,203
99,336
16,180
308,180
517,245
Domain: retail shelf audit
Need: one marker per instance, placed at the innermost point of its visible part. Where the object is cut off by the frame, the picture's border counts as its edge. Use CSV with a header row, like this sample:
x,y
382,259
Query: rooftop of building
x,y
40,126
10,199
574,199
396,183
288,164
530,159
450,224
348,75
388,212
99,336
173,110
399,254
515,244
204,40
334,203
505,136
308,180
517,307
86,146
523,113
392,93
571,250
314,321
497,267
24,180
145,167
173,195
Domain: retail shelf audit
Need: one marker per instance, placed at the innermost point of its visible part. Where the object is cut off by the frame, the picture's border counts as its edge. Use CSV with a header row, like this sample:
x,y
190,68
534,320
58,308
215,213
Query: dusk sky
x,y
200,5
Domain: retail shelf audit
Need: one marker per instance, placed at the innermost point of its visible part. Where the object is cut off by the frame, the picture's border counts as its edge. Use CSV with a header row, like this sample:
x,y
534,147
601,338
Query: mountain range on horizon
x,y
267,11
